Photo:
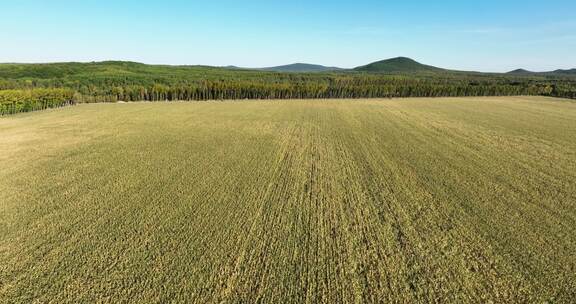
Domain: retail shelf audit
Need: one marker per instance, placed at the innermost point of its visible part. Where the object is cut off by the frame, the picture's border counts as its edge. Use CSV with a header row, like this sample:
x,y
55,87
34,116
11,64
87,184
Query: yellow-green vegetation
x,y
16,101
406,200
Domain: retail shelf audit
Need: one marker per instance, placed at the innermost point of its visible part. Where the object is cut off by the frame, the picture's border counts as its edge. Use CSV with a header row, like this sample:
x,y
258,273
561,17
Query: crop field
x,y
448,200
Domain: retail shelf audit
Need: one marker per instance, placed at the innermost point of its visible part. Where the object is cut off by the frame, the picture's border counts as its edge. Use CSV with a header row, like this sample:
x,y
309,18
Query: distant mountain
x,y
396,65
568,72
520,72
301,68
107,69
556,72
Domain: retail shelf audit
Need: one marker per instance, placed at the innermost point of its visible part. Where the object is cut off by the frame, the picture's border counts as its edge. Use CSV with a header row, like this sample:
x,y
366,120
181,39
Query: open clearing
x,y
320,201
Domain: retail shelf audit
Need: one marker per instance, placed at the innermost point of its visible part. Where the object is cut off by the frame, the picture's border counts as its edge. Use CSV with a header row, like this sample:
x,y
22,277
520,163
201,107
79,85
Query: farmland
x,y
445,200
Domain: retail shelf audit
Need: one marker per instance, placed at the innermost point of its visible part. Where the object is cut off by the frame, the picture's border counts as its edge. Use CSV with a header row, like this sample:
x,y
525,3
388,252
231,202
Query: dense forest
x,y
27,87
15,101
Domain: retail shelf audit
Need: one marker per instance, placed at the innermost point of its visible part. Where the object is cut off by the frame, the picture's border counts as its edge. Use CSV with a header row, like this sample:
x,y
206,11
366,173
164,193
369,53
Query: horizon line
x,y
274,66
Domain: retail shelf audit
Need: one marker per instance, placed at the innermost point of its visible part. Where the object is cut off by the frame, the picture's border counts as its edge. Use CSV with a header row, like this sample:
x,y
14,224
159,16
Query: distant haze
x,y
489,36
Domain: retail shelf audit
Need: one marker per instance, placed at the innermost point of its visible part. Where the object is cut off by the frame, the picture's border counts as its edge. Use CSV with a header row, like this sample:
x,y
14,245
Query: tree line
x,y
15,101
221,90
31,87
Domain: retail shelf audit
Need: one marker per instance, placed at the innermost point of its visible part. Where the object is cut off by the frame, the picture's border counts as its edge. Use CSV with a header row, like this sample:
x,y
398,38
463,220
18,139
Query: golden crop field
x,y
447,200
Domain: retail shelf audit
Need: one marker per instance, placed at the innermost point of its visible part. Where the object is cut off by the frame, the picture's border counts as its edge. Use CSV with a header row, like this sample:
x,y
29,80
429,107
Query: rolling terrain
x,y
66,69
398,65
28,87
448,200
302,68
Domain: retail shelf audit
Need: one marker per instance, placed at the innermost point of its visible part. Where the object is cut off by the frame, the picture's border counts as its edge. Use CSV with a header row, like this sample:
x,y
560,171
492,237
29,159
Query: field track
x,y
448,200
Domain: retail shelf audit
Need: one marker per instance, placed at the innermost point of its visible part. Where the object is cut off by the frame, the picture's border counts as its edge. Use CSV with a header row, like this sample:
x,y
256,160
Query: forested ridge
x,y
26,87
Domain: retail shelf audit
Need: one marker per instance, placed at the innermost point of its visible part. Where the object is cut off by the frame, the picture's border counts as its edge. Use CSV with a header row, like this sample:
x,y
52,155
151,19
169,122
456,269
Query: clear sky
x,y
487,35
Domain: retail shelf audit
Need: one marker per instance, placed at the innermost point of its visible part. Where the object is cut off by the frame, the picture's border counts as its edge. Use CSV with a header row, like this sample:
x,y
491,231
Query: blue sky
x,y
483,35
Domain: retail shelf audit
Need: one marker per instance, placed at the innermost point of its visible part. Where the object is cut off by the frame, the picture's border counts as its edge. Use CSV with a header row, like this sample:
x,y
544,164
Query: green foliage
x,y
460,200
15,101
128,81
564,91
